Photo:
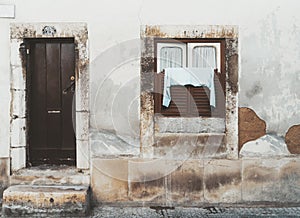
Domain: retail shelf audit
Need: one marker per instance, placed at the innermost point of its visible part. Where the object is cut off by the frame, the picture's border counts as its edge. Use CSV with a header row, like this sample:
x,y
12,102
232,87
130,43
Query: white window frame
x,y
187,54
183,46
192,45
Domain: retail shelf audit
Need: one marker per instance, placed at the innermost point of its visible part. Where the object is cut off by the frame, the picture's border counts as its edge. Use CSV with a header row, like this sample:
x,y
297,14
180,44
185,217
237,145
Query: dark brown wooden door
x,y
51,85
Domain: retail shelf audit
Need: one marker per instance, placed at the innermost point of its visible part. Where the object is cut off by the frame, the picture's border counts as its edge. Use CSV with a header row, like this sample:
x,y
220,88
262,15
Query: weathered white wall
x,y
269,44
270,74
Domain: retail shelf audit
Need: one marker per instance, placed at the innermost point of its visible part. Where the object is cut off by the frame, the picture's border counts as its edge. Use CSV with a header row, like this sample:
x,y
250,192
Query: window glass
x,y
171,57
205,56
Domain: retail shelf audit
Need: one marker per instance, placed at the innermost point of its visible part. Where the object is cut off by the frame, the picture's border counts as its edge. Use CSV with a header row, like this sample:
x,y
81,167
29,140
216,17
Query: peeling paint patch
x,y
292,139
251,127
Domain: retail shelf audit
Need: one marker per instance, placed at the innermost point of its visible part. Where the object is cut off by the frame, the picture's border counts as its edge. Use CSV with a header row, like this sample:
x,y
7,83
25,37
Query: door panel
x,y
38,111
67,71
53,76
51,133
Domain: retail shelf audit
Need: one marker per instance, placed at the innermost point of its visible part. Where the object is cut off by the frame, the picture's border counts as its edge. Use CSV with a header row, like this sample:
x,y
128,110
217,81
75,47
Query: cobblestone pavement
x,y
195,212
178,212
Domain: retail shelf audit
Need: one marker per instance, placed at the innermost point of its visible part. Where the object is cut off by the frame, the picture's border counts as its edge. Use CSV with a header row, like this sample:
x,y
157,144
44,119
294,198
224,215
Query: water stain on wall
x,y
255,90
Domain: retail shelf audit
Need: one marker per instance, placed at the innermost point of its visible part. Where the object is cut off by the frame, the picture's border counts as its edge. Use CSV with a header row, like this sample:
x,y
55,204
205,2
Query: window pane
x,y
170,57
205,56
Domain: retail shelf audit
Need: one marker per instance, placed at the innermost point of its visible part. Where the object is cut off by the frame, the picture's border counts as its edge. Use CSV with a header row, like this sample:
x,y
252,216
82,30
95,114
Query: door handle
x,y
70,87
54,112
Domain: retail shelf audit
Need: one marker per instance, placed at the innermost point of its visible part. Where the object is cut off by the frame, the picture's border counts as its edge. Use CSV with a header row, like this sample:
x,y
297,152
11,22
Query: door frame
x,y
18,107
35,152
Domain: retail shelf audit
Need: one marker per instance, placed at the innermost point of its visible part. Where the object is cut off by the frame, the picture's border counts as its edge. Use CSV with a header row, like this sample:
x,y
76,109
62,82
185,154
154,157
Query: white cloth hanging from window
x,y
188,76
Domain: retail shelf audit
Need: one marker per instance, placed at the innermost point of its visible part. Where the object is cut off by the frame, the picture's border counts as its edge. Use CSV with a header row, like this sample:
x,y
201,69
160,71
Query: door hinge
x,y
27,51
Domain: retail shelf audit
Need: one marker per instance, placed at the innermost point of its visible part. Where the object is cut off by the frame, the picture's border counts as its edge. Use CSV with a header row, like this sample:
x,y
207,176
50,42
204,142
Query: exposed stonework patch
x,y
251,127
292,139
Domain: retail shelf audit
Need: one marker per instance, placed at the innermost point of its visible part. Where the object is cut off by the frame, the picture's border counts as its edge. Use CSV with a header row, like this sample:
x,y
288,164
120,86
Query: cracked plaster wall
x,y
269,54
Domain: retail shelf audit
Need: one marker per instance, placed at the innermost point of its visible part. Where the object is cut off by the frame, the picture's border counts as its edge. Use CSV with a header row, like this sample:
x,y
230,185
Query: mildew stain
x,y
255,90
215,181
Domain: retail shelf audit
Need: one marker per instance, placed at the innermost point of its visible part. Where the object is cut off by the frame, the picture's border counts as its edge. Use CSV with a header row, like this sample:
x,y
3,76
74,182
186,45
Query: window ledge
x,y
189,124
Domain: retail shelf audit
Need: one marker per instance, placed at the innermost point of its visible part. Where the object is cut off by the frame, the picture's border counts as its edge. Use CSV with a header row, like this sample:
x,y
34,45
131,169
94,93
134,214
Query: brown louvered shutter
x,y
190,100
200,105
179,102
185,100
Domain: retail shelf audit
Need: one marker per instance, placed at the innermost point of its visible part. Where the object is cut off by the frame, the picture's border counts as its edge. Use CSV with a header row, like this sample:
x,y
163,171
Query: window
x,y
170,55
189,99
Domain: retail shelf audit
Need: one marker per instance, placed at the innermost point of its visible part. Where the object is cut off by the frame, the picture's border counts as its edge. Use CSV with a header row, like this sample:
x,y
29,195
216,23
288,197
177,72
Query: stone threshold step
x,y
25,200
50,175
